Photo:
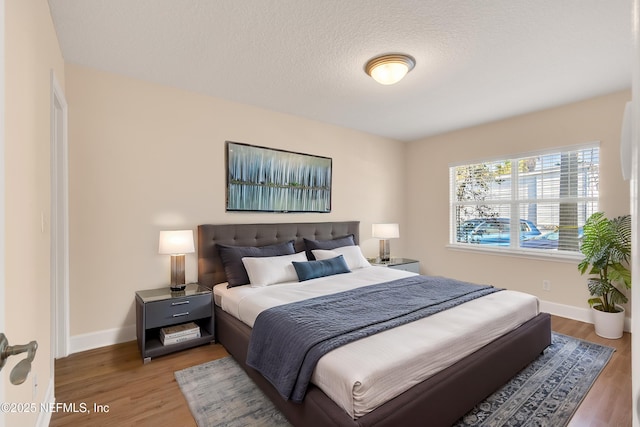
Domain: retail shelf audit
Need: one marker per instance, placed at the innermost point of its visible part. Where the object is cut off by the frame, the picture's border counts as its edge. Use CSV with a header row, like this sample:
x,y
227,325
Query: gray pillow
x,y
338,242
231,257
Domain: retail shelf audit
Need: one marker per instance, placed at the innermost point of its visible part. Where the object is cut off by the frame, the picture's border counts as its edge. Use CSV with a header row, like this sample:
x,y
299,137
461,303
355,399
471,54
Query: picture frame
x,y
263,179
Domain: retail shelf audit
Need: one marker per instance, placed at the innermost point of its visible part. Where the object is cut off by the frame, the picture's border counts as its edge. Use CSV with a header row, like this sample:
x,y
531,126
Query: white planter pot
x,y
608,325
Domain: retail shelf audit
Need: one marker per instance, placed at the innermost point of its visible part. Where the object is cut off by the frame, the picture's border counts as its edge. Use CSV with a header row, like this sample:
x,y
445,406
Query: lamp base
x,y
385,253
177,273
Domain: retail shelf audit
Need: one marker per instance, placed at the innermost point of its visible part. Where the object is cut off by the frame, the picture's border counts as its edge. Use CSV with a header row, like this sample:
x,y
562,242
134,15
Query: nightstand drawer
x,y
177,310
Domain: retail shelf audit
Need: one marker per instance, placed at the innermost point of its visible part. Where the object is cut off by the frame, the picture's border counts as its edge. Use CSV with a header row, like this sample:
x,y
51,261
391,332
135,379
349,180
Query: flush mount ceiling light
x,y
389,69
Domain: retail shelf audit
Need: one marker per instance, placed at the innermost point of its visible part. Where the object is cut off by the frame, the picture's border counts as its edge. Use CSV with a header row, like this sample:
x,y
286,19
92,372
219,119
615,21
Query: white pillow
x,y
352,255
263,271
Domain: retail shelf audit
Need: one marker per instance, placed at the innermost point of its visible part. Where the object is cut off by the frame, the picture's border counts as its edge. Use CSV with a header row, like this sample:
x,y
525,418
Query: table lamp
x,y
176,243
385,232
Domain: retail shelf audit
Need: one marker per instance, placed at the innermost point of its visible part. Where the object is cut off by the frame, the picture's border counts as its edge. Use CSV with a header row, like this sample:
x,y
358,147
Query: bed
x,y
438,398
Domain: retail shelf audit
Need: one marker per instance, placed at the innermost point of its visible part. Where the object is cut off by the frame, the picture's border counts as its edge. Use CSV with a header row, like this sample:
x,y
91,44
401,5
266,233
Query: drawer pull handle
x,y
180,302
186,313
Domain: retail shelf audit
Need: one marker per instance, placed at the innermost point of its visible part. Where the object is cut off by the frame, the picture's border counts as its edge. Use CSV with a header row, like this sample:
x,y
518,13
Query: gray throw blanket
x,y
288,340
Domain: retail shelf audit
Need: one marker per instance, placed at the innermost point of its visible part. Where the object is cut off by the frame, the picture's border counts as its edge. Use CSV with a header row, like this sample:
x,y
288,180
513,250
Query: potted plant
x,y
606,246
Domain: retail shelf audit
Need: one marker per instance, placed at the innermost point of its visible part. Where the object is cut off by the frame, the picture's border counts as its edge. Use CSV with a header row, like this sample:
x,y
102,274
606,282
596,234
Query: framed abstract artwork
x,y
272,180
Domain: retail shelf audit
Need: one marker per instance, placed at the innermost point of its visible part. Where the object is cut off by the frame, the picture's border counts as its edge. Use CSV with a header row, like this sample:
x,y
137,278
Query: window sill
x,y
544,255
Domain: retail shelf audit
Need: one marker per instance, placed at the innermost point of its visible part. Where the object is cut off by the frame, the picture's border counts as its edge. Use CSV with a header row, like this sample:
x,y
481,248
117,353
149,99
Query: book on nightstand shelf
x,y
179,333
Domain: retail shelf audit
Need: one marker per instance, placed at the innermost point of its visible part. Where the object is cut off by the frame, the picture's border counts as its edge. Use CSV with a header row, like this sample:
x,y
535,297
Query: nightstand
x,y
404,264
157,308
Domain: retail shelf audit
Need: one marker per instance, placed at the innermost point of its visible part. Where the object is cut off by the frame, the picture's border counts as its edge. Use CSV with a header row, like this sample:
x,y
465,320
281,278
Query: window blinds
x,y
537,201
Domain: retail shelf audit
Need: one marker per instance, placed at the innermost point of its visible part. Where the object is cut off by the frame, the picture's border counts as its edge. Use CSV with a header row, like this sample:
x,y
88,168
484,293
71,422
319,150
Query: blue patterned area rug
x,y
219,393
546,393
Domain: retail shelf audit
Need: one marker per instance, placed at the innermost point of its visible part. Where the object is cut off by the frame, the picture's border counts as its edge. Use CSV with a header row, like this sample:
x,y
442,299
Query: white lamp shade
x,y
176,242
385,231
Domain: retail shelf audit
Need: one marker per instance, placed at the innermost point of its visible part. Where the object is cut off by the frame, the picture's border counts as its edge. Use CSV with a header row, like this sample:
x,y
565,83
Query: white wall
x,y
145,157
635,211
427,209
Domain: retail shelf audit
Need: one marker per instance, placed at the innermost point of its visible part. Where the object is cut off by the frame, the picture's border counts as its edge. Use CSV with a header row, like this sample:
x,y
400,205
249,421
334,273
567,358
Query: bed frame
x,y
439,401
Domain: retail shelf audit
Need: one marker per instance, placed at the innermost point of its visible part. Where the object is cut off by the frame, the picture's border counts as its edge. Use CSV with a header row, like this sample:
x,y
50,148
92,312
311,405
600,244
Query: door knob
x,y
19,372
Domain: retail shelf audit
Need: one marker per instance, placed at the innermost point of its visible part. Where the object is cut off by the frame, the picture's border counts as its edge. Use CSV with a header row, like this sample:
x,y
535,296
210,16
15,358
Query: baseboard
x,y
575,313
98,339
44,417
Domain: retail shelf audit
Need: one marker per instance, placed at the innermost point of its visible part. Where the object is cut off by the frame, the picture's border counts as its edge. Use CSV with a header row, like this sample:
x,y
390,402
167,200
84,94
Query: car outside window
x,y
536,202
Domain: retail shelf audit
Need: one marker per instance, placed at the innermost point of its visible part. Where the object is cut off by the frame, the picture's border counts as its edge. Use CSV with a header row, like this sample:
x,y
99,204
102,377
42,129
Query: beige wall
x,y
145,157
31,52
427,209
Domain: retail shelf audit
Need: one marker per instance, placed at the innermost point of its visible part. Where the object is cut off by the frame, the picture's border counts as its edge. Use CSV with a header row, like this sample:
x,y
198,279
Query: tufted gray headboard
x,y
210,269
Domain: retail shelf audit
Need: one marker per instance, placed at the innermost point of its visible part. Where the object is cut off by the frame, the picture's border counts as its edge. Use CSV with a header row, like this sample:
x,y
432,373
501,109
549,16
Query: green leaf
x,y
620,274
597,287
617,297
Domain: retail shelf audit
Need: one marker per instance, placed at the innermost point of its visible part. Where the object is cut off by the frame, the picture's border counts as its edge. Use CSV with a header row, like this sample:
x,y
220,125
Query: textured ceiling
x,y
476,61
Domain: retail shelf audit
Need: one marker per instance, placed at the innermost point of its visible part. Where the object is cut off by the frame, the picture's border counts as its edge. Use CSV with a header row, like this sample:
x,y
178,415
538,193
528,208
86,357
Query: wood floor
x,y
115,379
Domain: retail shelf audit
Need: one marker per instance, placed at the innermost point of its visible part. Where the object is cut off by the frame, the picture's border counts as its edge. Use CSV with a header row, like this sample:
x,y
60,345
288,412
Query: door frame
x,y
635,212
59,223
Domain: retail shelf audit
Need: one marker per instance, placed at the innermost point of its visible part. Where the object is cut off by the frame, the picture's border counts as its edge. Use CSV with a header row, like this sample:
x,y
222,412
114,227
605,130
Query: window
x,y
533,203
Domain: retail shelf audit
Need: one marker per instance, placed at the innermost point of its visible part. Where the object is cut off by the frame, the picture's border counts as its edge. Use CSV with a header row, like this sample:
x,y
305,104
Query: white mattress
x,y
364,374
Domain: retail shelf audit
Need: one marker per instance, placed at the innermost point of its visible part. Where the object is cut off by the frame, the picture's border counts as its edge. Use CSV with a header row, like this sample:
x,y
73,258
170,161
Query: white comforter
x,y
364,374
